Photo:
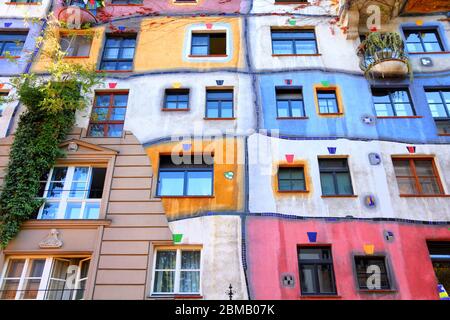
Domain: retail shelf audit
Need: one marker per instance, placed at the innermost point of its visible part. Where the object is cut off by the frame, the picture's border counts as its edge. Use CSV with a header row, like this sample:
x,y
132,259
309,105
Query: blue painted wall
x,y
357,102
9,68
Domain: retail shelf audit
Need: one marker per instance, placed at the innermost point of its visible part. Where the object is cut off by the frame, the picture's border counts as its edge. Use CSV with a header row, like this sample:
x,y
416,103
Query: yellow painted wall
x,y
161,44
41,63
228,194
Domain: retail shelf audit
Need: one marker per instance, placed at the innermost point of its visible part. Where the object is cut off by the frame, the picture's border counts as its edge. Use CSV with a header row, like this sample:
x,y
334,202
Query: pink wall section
x,y
272,251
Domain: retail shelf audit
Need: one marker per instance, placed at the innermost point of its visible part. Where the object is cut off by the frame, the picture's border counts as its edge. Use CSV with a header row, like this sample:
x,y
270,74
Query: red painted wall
x,y
272,250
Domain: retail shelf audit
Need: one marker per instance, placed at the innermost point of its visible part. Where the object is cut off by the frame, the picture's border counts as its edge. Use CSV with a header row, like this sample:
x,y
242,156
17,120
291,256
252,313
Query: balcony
x,y
382,55
78,12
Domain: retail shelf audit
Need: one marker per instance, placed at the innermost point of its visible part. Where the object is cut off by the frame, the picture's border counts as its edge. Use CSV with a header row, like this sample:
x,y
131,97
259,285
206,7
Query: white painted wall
x,y
147,121
23,10
313,7
221,253
336,52
378,180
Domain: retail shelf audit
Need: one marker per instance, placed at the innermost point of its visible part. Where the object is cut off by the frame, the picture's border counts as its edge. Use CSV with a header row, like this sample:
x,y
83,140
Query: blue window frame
x,y
118,53
327,101
423,40
219,104
192,179
392,102
209,44
294,41
335,177
176,99
289,103
12,43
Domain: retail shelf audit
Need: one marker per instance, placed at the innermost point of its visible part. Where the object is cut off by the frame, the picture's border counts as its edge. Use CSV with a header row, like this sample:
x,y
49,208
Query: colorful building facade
x,y
257,144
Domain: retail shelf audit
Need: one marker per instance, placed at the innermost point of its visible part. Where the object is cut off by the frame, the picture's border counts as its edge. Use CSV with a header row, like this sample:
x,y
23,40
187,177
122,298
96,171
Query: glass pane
x,y
325,275
297,108
111,53
199,183
15,268
113,42
37,268
171,183
327,183
198,39
31,289
424,167
91,210
307,279
314,254
115,130
131,43
199,51
429,37
305,47
283,47
344,183
78,187
414,47
298,185
50,210
438,110
212,109
283,108
284,185
124,65
165,260
118,114
402,168
55,188
400,96
73,210
120,100
190,281
429,186
407,185
190,260
127,53
97,183
227,109
433,97
103,100
100,114
219,95
9,289
164,281
96,130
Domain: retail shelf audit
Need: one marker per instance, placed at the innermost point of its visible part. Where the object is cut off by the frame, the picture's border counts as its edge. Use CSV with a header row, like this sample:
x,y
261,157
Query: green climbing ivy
x,y
51,102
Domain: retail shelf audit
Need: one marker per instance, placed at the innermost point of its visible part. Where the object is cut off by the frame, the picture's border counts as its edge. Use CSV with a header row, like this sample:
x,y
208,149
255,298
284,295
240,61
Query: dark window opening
x,y
372,273
335,177
440,258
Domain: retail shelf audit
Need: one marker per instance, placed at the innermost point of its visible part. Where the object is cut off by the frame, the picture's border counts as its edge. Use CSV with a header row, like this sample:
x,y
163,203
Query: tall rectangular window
x,y
176,99
327,100
194,178
219,104
209,44
316,271
177,271
439,104
423,40
417,176
76,45
12,43
291,179
46,278
392,102
335,177
118,53
108,115
366,266
289,103
73,192
293,41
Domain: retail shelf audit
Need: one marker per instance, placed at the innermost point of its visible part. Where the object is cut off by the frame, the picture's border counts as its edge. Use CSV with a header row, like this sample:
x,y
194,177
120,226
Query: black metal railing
x,y
47,294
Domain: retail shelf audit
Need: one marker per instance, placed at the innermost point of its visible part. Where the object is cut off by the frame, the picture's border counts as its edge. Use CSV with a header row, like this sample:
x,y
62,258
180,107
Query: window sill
x,y
424,195
435,52
331,114
313,297
65,223
444,134
169,110
219,118
293,191
382,291
292,118
399,117
296,55
340,196
209,56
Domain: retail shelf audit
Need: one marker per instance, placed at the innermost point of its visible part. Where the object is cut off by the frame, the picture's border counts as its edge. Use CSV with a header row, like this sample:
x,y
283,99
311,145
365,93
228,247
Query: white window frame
x,y
45,278
177,271
64,200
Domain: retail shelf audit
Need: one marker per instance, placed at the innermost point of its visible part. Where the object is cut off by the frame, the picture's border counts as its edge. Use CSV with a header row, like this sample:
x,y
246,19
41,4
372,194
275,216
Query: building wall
x,y
272,251
24,10
265,154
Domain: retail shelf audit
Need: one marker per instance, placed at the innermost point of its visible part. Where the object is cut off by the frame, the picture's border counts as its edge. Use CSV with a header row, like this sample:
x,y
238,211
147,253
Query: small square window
x,y
176,99
392,102
291,179
208,44
290,103
372,273
118,53
423,40
219,104
327,100
335,177
76,45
